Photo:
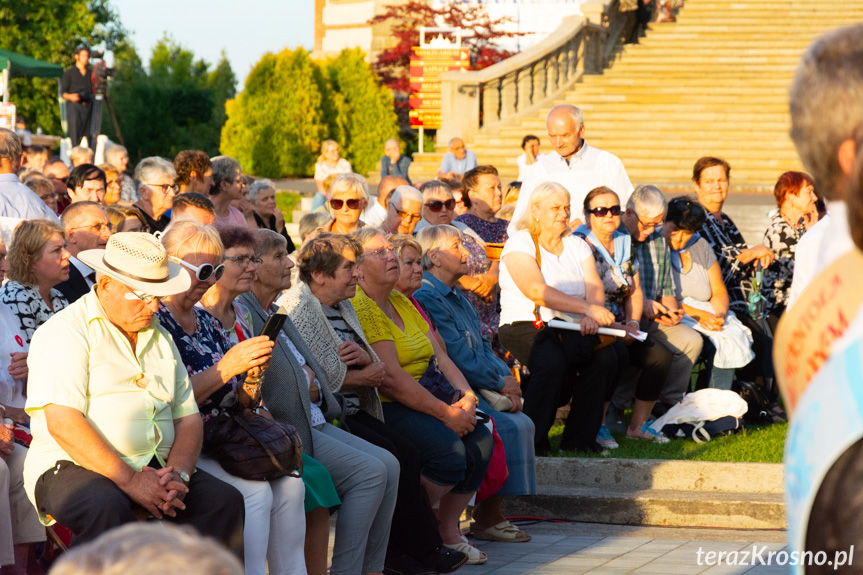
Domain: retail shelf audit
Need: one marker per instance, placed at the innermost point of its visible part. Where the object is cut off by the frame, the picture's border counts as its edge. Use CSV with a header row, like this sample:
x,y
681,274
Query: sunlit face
x,y
804,200
240,269
198,287
274,272
51,265
112,191
161,193
608,223
410,271
89,191
265,202
379,265
234,187
345,214
129,313
332,154
122,161
438,207
487,194
532,147
712,187
553,213
200,184
242,203
675,237
564,134
646,226
92,232
452,257
457,148
402,216
343,284
133,224
49,198
391,149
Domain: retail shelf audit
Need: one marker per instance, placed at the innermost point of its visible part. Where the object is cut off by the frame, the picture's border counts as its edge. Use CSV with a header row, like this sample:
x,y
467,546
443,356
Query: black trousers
x,y
650,358
557,376
78,122
90,504
760,369
415,528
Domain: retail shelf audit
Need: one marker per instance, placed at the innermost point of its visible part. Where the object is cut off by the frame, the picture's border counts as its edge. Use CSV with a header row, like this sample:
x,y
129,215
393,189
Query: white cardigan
x,y
308,317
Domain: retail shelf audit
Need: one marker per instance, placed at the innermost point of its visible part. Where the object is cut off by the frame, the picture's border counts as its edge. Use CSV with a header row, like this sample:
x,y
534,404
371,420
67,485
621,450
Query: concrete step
x,y
652,507
656,492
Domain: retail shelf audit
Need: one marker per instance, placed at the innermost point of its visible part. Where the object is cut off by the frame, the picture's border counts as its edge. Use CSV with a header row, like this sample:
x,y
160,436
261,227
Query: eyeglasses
x,y
165,187
406,215
353,204
204,271
602,212
98,228
144,297
53,177
382,253
244,261
437,205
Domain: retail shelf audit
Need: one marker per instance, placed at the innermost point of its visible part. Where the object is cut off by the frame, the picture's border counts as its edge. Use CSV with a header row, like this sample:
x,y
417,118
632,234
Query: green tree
x,y
49,30
179,104
276,125
365,116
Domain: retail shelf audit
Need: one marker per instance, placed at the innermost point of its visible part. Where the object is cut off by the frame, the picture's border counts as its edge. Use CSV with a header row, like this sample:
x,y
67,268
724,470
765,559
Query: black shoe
x,y
615,419
405,565
445,560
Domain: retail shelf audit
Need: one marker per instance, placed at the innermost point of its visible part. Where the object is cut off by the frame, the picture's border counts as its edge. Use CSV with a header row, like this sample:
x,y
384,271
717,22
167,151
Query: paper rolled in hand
x,y
560,324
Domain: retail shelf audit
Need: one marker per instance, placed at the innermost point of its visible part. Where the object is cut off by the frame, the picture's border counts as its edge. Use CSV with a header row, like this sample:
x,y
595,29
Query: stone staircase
x,y
656,492
714,83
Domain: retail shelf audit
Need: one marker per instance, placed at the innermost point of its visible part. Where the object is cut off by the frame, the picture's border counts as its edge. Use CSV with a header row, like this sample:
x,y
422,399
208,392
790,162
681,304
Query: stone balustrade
x,y
520,85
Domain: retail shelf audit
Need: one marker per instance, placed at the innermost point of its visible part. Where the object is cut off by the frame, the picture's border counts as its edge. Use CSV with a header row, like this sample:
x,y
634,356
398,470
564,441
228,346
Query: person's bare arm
x,y
719,293
74,434
759,252
244,356
319,184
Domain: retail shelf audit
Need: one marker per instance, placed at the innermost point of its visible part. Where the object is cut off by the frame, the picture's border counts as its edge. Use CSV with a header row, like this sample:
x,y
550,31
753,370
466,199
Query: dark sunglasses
x,y
353,204
204,271
437,205
602,212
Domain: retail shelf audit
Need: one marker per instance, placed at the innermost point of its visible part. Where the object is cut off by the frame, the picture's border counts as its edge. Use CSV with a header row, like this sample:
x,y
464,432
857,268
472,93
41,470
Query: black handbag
x,y
437,384
250,446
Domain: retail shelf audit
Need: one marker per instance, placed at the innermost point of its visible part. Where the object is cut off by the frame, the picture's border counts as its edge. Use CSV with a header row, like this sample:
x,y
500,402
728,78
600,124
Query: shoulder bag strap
x,y
537,321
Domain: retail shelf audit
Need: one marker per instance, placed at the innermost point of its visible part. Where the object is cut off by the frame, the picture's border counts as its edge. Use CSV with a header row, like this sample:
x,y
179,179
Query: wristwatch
x,y
184,477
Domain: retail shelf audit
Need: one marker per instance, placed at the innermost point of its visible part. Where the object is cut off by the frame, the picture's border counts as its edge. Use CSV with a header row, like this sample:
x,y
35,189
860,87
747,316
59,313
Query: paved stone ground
x,y
589,548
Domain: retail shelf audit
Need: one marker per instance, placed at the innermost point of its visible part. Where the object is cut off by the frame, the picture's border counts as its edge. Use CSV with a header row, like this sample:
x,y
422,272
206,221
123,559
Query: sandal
x,y
776,413
504,532
474,555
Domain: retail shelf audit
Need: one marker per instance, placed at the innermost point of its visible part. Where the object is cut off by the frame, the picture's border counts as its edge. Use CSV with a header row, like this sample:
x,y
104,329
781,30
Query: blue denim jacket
x,y
459,326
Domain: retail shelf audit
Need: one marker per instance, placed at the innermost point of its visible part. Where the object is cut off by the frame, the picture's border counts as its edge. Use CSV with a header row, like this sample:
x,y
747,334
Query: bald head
x,y
565,125
386,187
456,146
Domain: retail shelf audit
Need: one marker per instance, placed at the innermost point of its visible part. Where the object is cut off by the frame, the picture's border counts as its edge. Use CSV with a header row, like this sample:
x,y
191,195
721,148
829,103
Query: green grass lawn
x,y
288,201
761,443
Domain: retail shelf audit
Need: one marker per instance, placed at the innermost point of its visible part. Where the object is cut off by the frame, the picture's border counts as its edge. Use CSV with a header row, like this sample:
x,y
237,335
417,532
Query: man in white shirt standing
x,y
86,227
528,158
573,164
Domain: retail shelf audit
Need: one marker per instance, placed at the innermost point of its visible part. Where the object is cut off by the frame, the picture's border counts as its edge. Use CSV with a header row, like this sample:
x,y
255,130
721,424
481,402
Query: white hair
x,y
647,201
406,191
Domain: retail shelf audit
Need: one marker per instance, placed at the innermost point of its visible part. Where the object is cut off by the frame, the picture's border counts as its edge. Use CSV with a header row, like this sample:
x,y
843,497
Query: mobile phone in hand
x,y
274,324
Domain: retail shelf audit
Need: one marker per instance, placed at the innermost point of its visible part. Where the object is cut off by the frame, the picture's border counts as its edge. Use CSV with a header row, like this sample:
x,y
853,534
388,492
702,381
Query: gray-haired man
x,y
645,212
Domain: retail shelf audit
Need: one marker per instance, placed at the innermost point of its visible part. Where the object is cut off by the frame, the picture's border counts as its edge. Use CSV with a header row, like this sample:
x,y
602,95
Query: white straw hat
x,y
140,261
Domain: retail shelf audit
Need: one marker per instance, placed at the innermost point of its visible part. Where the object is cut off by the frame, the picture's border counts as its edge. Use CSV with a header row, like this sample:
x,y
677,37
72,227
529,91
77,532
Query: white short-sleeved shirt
x,y
79,359
323,171
562,272
524,169
587,169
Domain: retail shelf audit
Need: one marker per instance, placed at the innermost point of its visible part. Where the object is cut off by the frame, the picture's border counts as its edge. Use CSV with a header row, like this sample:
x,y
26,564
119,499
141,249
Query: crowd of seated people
x,y
416,362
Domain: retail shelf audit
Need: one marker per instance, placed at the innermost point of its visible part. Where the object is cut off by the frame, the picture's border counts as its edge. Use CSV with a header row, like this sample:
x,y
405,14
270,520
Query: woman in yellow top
x,y
454,450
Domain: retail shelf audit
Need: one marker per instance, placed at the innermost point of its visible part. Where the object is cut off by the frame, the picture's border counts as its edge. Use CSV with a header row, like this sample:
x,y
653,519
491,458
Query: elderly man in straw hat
x,y
114,420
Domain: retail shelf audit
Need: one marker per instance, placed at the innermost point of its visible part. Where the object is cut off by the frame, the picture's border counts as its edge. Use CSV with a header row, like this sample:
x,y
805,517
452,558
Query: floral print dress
x,y
782,238
201,351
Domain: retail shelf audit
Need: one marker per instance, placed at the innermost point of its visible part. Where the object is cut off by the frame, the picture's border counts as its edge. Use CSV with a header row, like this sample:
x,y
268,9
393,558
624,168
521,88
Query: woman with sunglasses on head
x,y
347,199
222,377
617,269
545,269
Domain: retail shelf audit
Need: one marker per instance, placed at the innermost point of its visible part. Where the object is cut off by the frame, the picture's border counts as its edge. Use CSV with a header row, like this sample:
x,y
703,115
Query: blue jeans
x,y
447,459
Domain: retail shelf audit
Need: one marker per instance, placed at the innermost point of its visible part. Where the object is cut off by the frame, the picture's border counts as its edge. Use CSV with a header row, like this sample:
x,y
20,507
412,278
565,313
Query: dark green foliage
x,y
291,104
178,105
